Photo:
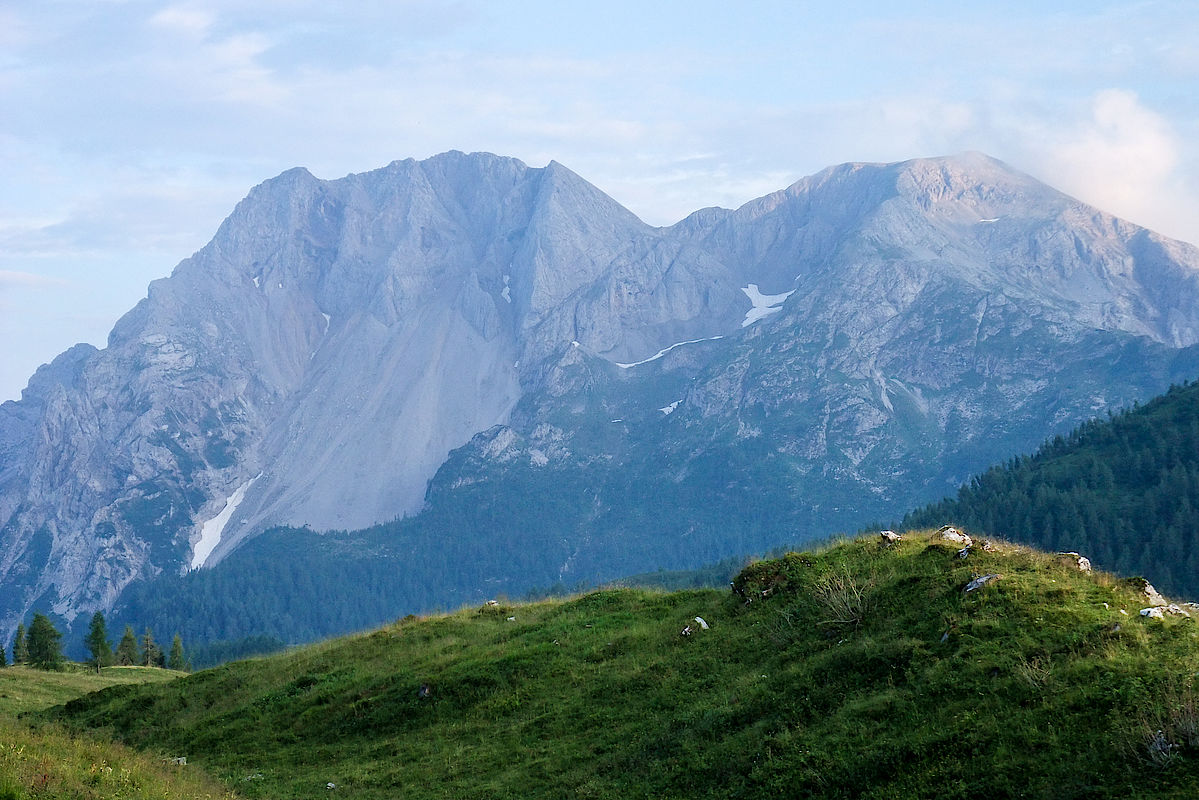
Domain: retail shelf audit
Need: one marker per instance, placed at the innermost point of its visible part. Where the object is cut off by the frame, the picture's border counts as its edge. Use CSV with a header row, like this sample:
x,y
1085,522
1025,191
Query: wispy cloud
x,y
190,21
28,280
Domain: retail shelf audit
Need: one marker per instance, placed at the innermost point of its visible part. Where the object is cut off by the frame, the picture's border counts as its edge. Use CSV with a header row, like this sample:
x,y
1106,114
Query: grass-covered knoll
x,y
25,689
864,671
45,761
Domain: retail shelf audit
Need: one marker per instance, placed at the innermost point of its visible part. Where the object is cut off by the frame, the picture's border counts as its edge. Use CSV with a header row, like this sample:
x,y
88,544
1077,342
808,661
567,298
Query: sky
x,y
129,129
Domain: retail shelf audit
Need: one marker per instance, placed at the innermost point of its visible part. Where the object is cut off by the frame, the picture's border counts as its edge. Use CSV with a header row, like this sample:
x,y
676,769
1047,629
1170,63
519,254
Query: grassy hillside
x,y
23,689
45,761
858,671
1124,491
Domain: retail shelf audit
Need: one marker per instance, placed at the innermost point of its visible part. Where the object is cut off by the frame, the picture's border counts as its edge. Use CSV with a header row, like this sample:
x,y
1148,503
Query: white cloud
x,y
1122,156
186,20
1117,154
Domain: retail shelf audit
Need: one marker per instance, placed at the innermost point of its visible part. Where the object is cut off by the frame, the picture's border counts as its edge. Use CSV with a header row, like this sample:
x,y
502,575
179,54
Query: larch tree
x,y
177,660
97,642
45,643
20,648
151,652
127,650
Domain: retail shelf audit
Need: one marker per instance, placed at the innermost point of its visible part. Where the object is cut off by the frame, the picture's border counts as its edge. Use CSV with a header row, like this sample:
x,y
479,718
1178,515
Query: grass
x,y
25,689
47,761
857,671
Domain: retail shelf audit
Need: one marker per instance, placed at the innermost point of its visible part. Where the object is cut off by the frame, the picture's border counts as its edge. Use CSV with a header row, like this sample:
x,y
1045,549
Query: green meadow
x,y
861,670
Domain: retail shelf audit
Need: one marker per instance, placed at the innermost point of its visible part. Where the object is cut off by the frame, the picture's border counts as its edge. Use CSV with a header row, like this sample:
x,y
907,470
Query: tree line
x,y
1124,491
40,646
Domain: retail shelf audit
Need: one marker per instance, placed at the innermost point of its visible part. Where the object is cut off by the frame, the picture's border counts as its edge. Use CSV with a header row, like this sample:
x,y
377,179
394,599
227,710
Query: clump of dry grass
x,y
844,599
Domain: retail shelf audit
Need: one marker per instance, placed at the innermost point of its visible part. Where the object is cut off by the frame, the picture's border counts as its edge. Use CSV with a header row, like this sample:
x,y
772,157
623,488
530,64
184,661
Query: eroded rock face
x,y
887,328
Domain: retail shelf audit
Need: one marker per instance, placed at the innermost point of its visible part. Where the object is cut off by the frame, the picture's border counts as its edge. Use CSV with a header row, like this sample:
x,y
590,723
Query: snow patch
x,y
210,532
881,382
257,282
668,410
507,292
992,219
763,304
326,316
666,350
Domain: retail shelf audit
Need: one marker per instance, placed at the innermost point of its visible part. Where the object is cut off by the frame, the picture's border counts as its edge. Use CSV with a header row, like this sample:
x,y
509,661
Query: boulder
x,y
889,537
948,533
980,582
1146,588
1082,562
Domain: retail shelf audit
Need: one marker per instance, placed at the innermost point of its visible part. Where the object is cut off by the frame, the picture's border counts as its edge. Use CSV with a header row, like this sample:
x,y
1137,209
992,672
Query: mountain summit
x,y
392,343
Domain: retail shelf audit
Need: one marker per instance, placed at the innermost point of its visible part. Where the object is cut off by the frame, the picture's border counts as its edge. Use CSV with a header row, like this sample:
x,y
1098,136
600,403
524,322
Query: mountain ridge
x,y
338,342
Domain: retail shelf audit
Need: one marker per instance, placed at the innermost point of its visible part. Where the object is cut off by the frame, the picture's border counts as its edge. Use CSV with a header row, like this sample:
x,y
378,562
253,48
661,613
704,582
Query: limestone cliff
x,y
888,328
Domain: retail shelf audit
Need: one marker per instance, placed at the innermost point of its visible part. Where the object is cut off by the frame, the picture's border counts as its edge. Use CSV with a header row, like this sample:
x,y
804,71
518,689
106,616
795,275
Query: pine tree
x,y
177,660
3,658
20,648
45,643
97,642
151,652
127,652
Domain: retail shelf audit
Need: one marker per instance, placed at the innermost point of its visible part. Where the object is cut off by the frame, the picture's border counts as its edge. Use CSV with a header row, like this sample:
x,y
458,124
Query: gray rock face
x,y
321,358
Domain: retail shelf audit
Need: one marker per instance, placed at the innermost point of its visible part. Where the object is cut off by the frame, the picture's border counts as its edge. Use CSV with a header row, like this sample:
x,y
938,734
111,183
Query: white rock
x,y
951,534
980,581
1082,562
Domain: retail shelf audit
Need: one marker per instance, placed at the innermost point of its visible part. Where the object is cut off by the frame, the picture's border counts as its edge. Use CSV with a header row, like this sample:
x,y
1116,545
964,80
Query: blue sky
x,y
129,129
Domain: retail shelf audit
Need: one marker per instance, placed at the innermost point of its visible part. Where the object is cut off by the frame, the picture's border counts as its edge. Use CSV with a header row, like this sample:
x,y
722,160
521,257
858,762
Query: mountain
x,y
862,670
543,388
1123,490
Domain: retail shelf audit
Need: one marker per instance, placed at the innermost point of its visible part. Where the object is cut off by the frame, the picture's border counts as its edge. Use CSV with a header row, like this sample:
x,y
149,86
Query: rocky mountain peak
x,y
318,361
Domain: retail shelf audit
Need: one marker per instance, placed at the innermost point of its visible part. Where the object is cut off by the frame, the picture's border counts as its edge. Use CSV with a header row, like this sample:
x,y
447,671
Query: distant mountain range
x,y
546,389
